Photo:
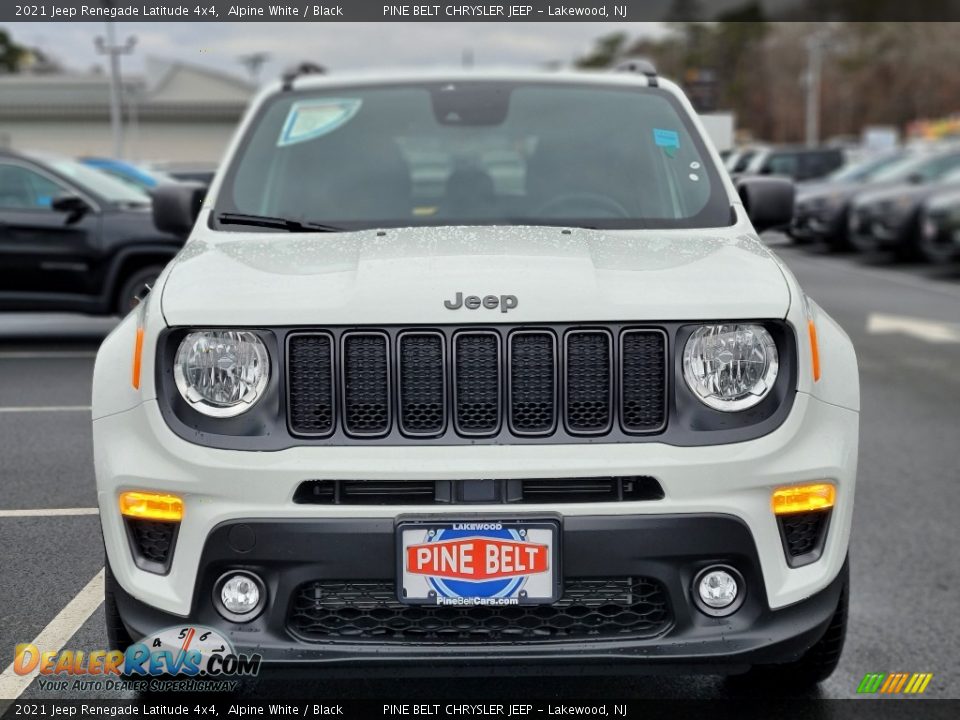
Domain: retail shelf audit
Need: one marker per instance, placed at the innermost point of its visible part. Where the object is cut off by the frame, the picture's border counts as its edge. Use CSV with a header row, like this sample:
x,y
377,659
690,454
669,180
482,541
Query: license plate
x,y
478,562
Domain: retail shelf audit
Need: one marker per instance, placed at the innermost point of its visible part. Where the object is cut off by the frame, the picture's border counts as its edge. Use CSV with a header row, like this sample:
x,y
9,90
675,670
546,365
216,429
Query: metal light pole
x,y
110,48
815,48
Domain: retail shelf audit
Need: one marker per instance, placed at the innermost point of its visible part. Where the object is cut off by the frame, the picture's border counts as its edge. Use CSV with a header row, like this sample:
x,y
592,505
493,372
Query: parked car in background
x,y
822,207
187,172
139,177
940,227
73,238
799,163
888,218
738,159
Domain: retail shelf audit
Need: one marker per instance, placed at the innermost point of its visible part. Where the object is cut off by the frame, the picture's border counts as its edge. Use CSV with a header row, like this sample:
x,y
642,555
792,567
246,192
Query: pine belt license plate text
x,y
477,562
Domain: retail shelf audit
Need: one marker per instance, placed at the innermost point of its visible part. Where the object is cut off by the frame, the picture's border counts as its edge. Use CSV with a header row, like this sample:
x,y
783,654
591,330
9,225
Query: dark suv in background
x,y
798,163
73,238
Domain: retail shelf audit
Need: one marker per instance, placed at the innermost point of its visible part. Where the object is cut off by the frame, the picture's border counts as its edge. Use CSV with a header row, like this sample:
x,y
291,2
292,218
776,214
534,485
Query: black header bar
x,y
476,10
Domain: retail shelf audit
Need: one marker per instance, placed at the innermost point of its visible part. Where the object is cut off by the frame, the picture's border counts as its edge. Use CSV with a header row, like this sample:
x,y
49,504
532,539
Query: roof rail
x,y
305,68
641,66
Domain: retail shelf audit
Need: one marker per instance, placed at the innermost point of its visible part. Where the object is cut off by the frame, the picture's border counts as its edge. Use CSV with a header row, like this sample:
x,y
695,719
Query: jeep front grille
x,y
465,384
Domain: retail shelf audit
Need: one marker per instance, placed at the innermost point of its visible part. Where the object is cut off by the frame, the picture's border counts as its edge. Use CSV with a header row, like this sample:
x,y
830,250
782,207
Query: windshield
x,y
866,169
924,168
99,183
743,161
476,153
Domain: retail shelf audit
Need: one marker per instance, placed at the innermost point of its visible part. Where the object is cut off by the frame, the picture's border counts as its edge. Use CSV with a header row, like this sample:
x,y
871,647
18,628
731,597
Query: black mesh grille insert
x,y
477,370
353,611
643,386
533,382
803,532
588,381
152,543
366,384
422,383
310,366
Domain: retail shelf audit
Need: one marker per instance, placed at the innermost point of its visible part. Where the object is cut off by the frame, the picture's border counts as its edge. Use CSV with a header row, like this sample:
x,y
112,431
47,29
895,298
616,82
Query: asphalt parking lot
x,y
905,322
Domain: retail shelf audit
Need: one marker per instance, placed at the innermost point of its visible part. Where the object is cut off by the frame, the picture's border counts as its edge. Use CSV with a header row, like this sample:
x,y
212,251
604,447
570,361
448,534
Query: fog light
x,y
719,590
240,596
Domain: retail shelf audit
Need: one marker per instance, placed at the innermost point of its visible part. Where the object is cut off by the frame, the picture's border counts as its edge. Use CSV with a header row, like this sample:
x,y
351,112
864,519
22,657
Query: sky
x,y
338,46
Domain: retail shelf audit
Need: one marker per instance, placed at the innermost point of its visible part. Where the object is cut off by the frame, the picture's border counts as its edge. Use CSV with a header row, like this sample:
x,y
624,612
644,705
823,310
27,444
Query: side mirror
x,y
176,206
916,179
74,206
767,200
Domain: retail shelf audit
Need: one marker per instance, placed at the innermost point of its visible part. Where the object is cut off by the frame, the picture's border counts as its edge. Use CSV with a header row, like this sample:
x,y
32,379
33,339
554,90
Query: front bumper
x,y
668,550
817,223
135,450
875,229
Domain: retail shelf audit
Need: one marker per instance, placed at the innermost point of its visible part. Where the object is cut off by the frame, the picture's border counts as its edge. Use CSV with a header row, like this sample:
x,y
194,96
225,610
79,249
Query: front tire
x,y
117,636
817,663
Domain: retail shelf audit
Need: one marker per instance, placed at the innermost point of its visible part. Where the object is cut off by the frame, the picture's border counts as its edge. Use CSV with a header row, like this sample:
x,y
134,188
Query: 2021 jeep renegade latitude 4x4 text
x,y
464,370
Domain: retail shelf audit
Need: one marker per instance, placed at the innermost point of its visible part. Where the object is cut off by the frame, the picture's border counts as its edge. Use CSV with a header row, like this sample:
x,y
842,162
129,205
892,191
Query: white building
x,y
175,112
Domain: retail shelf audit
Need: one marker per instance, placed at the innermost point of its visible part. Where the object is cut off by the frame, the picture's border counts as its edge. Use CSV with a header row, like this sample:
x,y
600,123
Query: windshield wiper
x,y
274,222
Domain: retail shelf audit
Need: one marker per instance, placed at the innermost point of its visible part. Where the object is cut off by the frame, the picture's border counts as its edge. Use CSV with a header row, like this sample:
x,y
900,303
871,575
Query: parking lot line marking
x,y
49,512
46,408
52,355
55,635
928,330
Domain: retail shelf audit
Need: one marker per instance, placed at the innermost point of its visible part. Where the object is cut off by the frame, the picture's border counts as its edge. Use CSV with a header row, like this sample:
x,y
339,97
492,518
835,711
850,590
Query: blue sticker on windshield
x,y
309,119
669,140
666,138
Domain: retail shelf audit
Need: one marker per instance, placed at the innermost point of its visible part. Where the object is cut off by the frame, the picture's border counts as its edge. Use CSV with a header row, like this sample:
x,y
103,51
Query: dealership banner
x,y
174,705
513,11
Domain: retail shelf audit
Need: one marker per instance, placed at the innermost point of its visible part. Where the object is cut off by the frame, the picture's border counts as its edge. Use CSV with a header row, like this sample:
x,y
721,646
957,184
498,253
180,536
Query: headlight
x,y
730,367
221,373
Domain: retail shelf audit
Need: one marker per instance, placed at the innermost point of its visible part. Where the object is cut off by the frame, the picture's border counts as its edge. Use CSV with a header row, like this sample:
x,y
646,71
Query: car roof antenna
x,y
305,68
642,67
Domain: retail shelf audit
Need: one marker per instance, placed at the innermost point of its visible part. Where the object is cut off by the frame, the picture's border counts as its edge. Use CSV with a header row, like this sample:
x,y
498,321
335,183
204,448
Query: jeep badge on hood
x,y
506,303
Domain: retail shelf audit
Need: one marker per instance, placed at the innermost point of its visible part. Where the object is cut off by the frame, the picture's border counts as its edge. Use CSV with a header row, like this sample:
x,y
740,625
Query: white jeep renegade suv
x,y
478,369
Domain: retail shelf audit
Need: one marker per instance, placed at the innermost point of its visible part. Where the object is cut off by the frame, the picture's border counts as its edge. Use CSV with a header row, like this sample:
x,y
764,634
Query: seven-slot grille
x,y
472,384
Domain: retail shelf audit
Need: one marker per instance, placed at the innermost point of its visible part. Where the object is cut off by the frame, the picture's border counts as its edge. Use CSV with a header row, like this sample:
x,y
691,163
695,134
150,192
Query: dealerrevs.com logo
x,y
196,658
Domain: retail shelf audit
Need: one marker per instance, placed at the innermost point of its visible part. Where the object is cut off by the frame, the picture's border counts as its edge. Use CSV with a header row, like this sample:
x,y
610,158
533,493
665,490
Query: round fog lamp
x,y
718,589
240,594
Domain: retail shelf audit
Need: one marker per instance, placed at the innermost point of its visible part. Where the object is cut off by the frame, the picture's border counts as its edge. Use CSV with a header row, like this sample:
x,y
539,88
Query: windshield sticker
x,y
669,140
311,119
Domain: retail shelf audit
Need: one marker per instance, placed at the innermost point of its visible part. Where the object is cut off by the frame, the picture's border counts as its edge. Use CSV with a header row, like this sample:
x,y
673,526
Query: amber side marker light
x,y
814,349
137,356
151,506
803,498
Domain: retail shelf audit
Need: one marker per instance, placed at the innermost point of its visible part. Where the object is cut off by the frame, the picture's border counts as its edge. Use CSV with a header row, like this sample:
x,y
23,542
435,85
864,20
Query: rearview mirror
x,y
767,200
73,205
176,206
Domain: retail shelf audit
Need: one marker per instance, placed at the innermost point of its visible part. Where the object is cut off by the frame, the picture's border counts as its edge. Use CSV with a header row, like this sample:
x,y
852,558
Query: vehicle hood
x,y
135,225
834,192
906,192
944,199
405,275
